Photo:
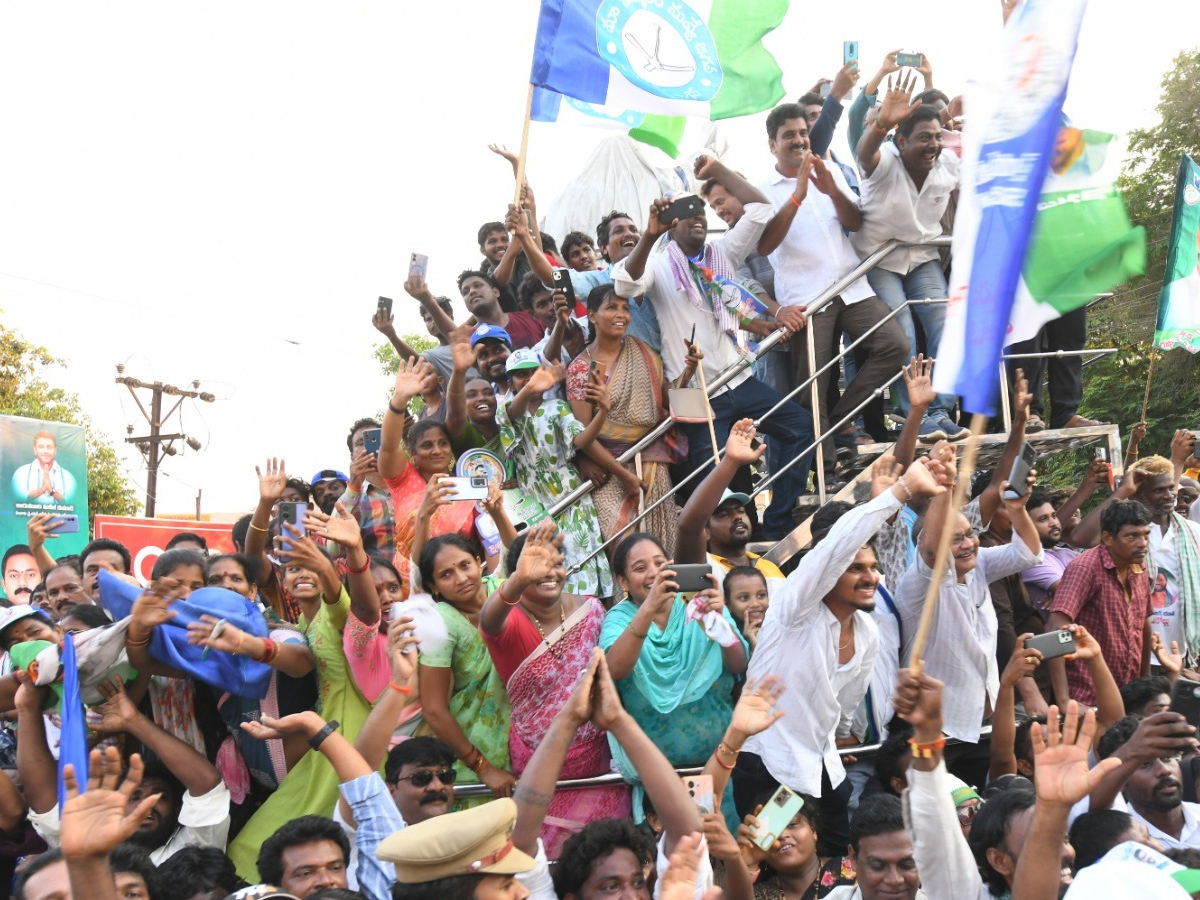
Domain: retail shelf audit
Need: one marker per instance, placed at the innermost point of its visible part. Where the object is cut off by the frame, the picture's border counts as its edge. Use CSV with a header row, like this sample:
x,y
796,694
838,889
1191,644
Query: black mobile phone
x,y
682,208
1052,644
372,438
692,339
385,303
562,282
692,577
1017,487
1185,699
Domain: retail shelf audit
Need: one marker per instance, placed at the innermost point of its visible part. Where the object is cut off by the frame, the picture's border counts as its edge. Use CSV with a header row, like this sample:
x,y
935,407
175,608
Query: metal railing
x,y
863,751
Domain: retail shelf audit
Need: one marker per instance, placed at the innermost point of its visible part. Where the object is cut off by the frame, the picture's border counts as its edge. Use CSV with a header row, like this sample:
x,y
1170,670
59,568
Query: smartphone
x,y
700,789
692,577
385,304
776,816
825,89
1102,454
291,512
682,208
912,60
372,438
1017,487
64,524
418,266
849,52
1052,644
473,487
562,282
1185,699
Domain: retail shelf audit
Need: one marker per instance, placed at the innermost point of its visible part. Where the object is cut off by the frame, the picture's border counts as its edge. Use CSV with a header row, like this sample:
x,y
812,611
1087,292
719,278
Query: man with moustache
x,y
1153,788
1041,581
1107,591
825,607
21,574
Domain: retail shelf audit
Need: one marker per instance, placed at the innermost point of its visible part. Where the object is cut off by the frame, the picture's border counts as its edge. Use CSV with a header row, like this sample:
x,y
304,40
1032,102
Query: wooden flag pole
x,y
524,148
712,431
965,471
1149,375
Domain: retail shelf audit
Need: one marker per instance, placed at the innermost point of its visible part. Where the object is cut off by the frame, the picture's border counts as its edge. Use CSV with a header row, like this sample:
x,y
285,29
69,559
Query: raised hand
x,y
36,531
943,462
362,464
898,103
382,321
606,702
546,376
663,590
340,527
408,379
847,76
884,473
755,711
679,881
1023,662
1086,646
461,353
918,378
1182,445
1061,773
1019,503
439,492
926,70
541,555
502,151
1097,473
271,483
152,608
803,177
918,699
402,643
822,176
654,226
1022,397
578,708
300,550
93,823
1171,660
739,447
1136,435
707,167
117,712
921,480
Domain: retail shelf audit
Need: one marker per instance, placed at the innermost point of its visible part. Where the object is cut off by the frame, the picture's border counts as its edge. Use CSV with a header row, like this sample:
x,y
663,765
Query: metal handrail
x,y
863,751
748,360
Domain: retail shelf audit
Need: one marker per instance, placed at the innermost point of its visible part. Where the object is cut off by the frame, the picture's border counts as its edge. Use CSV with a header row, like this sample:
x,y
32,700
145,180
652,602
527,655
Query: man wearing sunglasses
x,y
420,775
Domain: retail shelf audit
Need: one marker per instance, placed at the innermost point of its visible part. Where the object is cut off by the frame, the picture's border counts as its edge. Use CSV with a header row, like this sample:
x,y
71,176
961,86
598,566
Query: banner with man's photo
x,y
43,469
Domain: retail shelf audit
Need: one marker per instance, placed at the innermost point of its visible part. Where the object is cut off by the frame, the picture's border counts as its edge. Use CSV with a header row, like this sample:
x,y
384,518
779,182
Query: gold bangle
x,y
257,528
635,632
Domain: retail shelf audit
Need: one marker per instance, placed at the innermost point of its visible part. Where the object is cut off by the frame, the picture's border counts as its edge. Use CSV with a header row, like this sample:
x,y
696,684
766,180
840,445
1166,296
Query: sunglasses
x,y
424,778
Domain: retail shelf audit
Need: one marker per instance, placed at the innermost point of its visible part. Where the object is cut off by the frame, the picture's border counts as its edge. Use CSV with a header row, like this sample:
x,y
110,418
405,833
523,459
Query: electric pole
x,y
150,443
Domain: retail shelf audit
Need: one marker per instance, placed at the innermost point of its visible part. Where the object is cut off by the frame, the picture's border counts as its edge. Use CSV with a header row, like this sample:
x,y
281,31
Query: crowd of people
x,y
378,694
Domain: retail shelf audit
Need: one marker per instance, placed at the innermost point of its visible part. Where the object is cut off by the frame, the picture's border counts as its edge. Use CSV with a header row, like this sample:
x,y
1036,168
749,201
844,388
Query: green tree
x,y
24,391
1114,386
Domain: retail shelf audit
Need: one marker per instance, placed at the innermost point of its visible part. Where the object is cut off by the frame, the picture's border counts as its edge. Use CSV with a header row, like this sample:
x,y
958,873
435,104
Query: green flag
x,y
1179,303
1083,243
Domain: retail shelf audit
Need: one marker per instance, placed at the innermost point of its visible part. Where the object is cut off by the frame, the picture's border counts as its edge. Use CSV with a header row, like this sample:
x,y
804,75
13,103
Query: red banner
x,y
147,538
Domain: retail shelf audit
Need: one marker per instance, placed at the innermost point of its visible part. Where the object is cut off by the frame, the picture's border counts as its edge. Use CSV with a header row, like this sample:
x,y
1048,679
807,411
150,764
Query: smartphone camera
x,y
1065,637
781,800
479,481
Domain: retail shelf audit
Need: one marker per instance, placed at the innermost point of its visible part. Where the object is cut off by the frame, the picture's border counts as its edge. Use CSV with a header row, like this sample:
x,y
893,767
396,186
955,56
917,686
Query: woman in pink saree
x,y
540,641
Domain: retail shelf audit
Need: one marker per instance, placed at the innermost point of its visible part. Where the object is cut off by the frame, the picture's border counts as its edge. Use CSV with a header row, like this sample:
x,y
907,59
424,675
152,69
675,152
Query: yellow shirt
x,y
764,565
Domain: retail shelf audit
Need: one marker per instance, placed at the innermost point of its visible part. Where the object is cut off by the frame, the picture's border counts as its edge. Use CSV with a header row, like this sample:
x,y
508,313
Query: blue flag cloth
x,y
73,747
230,672
1006,157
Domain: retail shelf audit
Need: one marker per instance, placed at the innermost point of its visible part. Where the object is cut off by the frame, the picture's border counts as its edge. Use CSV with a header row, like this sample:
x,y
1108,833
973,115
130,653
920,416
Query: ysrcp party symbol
x,y
661,46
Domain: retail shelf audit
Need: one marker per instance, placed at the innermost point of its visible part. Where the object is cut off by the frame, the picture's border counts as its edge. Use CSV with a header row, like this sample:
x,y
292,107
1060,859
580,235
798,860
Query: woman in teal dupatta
x,y
675,680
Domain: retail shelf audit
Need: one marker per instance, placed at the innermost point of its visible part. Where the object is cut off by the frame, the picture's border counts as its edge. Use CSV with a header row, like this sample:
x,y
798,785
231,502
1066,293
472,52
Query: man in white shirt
x,y
689,284
824,607
961,651
1153,788
906,187
809,251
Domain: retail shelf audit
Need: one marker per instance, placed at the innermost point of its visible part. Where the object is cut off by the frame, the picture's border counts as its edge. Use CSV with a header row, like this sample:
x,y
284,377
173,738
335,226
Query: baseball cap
x,y
522,359
494,332
329,475
471,842
15,614
743,499
960,791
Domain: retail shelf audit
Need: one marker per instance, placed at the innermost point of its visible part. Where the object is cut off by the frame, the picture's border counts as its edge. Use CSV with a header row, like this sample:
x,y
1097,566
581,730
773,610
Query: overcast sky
x,y
220,191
